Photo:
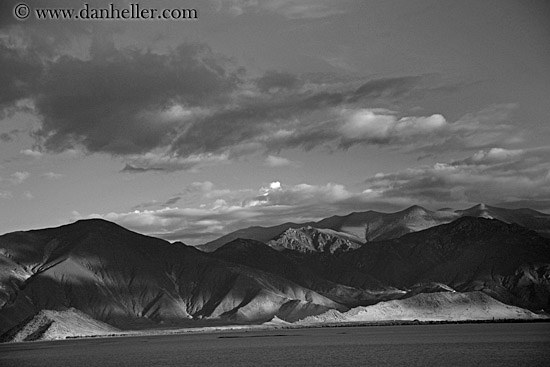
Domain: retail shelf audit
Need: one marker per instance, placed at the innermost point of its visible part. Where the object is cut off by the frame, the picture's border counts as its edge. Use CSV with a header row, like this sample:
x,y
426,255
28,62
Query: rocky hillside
x,y
309,239
506,261
96,271
129,280
445,306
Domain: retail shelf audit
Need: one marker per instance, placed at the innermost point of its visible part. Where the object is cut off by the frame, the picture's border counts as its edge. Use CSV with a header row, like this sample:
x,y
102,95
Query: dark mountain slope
x,y
258,255
127,279
506,261
528,218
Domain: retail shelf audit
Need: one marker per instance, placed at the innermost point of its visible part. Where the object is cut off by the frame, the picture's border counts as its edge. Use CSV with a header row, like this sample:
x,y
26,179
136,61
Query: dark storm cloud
x,y
119,102
190,107
20,71
191,104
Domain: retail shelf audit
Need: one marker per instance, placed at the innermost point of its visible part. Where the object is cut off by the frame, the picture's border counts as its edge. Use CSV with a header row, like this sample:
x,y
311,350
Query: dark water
x,y
412,345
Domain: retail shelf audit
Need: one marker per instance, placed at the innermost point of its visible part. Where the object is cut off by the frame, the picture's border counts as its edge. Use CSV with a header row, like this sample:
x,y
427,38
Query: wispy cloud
x,y
14,179
170,163
52,175
18,177
494,175
4,194
274,162
31,153
292,9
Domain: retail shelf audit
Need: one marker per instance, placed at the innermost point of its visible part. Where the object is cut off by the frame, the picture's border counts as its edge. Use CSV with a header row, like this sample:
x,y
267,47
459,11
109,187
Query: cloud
x,y
430,134
18,177
485,128
275,162
20,71
9,136
171,163
4,194
387,88
291,9
127,101
172,201
274,81
508,177
190,107
31,153
302,194
46,37
493,156
383,127
52,175
270,119
494,175
314,116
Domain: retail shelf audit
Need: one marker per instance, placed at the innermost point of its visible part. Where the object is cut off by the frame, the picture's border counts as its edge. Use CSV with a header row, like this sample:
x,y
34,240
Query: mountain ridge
x,y
127,280
375,226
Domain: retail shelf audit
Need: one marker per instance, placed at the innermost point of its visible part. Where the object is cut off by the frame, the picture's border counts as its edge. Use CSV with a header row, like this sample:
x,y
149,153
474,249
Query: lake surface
x,y
411,345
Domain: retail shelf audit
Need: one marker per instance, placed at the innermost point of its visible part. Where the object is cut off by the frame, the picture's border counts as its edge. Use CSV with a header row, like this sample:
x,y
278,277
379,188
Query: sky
x,y
262,112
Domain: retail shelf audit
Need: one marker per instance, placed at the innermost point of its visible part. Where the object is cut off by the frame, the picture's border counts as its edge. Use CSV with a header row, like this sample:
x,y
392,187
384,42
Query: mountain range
x,y
373,226
105,276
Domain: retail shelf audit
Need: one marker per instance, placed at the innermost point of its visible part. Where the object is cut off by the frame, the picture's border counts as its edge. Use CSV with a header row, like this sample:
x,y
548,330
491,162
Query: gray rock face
x,y
309,239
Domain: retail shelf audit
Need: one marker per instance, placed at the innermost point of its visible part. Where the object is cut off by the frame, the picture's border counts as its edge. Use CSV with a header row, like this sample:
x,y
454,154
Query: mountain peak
x,y
92,224
480,206
480,210
415,209
311,239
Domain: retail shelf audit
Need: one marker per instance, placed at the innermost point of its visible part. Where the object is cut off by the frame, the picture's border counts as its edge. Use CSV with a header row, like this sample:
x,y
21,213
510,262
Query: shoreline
x,y
261,328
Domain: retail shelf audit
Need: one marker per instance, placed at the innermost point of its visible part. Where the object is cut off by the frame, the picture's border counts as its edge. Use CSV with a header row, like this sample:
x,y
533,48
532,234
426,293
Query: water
x,y
410,345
